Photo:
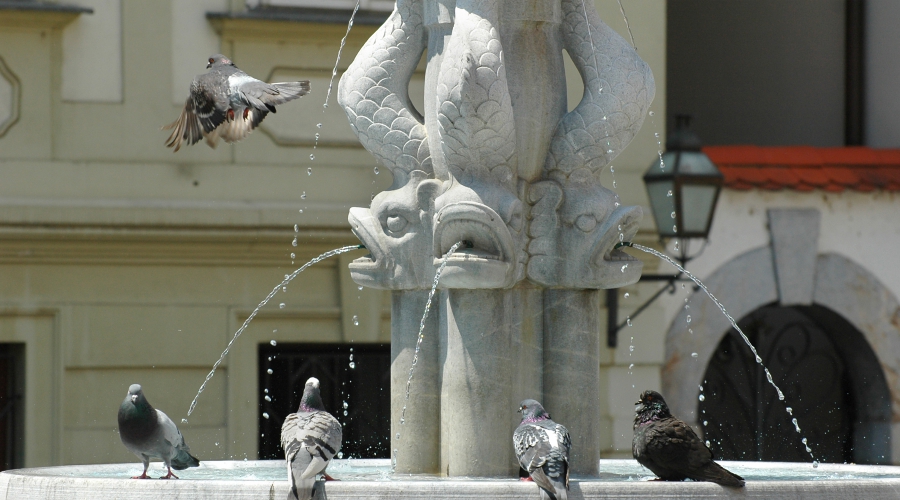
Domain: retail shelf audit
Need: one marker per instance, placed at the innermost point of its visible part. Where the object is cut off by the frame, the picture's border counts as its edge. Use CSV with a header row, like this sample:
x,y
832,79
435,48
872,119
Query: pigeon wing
x,y
262,95
310,441
203,112
176,451
674,445
533,448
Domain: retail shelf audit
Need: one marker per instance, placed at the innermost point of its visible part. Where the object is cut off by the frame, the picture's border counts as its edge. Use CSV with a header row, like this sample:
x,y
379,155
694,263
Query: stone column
x,y
572,371
490,358
418,447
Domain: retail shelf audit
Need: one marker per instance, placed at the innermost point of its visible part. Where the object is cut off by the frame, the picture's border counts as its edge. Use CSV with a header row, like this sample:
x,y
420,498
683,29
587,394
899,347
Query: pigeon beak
x,y
134,398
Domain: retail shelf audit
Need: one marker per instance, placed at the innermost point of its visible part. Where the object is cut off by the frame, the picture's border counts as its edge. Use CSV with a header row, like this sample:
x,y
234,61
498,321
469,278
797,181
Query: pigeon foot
x,y
170,475
142,476
329,478
526,479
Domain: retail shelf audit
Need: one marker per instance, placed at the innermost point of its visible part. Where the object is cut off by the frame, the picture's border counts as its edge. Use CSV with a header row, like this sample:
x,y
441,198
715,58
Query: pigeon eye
x,y
211,60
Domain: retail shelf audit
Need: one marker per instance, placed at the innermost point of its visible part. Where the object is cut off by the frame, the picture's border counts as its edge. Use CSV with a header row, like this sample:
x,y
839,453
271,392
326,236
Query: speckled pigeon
x,y
310,438
670,448
149,433
228,103
542,447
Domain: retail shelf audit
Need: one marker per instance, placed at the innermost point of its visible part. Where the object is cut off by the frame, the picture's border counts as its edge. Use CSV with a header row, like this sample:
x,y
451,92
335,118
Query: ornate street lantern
x,y
683,186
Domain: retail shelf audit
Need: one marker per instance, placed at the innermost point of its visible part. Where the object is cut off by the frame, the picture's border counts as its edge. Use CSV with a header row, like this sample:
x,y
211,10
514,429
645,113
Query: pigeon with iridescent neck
x,y
542,448
670,448
228,103
310,438
149,433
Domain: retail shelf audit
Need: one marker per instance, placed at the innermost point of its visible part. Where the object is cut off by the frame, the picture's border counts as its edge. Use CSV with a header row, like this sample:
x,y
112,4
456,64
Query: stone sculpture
x,y
495,160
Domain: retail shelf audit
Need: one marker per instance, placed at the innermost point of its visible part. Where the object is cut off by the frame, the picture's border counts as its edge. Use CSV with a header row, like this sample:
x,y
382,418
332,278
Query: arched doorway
x,y
828,373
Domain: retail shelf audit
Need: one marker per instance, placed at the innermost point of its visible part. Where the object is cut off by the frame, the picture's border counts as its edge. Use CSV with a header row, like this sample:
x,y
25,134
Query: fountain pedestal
x,y
498,164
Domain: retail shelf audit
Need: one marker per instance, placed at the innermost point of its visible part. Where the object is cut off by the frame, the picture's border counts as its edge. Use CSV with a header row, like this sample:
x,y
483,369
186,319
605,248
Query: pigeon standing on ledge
x,y
310,438
149,433
228,103
542,447
670,448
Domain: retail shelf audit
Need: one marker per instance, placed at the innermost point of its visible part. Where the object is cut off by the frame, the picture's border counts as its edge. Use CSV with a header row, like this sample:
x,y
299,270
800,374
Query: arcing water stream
x,y
287,279
734,324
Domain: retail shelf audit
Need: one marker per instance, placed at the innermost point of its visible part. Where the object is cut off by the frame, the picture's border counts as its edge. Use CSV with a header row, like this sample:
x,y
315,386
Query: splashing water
x,y
734,324
421,336
287,279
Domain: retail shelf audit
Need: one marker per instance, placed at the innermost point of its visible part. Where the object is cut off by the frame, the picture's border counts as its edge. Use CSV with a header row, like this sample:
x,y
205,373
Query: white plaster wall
x,y
863,227
882,107
92,54
193,41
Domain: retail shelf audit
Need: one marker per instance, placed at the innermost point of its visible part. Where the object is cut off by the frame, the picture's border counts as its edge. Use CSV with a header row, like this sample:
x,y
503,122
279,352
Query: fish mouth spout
x,y
614,267
485,257
370,270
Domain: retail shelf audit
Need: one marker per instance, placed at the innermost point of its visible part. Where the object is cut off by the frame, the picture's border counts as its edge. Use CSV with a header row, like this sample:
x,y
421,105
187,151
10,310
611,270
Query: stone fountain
x,y
495,161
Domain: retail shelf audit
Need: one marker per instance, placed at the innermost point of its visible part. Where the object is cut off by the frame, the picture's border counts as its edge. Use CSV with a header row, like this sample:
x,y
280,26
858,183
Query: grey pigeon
x,y
670,448
310,438
542,447
149,433
228,103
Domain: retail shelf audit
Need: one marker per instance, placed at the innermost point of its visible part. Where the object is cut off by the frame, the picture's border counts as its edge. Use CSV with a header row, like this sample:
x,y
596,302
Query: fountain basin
x,y
371,479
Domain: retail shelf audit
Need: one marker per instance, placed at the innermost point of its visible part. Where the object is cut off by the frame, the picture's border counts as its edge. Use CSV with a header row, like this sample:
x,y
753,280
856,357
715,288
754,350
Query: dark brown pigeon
x,y
228,103
542,448
670,448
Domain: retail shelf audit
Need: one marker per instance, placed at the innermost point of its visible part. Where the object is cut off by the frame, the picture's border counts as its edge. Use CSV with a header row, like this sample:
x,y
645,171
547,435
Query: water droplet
x,y
281,306
624,267
303,196
686,306
758,360
296,228
308,170
672,215
360,287
317,136
293,256
631,348
217,443
312,156
398,435
631,366
184,421
676,247
345,413
612,169
294,242
376,170
351,357
300,211
269,371
273,342
267,398
628,321
705,422
614,185
669,194
627,295
694,354
346,404
355,320
402,421
655,134
674,229
691,331
352,365
790,410
318,125
803,440
325,105
702,397
815,464
265,415
688,318
707,443
652,113
621,237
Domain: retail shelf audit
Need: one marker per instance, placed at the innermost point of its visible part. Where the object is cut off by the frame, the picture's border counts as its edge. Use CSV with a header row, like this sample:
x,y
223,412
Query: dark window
x,y
829,375
12,387
365,388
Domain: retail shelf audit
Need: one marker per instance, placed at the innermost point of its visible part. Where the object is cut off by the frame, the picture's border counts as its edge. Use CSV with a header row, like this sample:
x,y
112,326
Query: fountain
x,y
499,187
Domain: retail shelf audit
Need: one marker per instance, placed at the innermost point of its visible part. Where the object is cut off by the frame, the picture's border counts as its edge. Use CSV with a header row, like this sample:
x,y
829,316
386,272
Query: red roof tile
x,y
806,168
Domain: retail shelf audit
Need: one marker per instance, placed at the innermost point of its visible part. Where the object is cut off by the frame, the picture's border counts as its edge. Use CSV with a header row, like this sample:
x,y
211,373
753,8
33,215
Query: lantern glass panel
x,y
662,205
697,202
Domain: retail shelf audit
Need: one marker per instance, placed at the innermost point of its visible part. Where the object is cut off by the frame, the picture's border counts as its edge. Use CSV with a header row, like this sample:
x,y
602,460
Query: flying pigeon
x,y
228,103
670,448
542,447
149,433
310,438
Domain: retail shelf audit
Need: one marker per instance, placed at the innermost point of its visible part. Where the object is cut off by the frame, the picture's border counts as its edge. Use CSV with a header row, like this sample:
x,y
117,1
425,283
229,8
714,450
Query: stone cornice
x,y
294,25
38,15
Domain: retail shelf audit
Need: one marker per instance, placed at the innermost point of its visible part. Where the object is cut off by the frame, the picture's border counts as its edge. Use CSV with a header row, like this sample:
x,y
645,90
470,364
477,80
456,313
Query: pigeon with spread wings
x,y
227,103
